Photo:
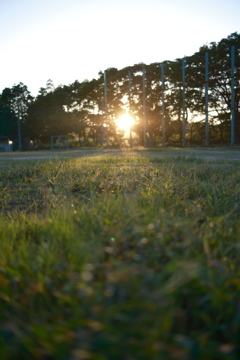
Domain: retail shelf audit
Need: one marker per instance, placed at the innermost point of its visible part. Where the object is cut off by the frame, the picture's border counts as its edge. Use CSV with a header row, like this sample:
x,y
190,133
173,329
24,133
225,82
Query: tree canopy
x,y
79,110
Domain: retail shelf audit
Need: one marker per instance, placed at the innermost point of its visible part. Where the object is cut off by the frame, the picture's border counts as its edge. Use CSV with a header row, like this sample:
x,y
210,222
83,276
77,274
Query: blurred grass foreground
x,y
125,256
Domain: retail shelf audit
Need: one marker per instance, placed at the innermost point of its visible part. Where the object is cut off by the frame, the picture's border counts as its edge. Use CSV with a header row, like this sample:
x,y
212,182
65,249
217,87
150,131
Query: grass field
x,y
120,255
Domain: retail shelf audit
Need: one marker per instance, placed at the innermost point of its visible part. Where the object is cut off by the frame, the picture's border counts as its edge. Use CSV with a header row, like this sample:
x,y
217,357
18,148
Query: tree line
x,y
79,109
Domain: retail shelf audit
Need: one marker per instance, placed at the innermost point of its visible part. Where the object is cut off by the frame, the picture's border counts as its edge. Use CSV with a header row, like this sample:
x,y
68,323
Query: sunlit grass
x,y
110,250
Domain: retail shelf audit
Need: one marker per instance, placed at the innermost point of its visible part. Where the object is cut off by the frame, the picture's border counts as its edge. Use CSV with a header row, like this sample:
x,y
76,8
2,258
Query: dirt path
x,y
225,154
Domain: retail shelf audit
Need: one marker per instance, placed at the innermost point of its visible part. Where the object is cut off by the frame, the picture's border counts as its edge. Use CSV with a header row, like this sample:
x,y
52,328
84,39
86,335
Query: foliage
x,y
78,109
14,102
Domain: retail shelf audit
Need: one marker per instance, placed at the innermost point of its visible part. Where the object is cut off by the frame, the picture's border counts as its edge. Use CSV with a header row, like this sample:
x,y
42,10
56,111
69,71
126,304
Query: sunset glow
x,y
124,122
53,29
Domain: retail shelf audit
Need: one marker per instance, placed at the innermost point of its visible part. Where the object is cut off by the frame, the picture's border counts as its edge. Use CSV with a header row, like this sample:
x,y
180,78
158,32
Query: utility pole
x,y
163,108
206,100
232,95
184,104
129,102
102,122
144,108
19,126
106,108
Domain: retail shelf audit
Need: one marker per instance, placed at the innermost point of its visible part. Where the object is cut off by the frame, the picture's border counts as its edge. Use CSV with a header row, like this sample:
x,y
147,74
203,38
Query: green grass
x,y
123,256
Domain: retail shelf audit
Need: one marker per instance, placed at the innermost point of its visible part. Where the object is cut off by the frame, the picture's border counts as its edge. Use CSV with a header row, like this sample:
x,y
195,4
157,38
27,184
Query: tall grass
x,y
123,257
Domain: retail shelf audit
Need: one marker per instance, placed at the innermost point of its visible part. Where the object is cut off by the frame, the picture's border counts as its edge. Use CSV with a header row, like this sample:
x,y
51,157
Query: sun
x,y
124,122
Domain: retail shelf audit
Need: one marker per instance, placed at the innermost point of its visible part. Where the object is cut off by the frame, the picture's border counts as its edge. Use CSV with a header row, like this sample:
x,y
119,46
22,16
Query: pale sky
x,y
75,39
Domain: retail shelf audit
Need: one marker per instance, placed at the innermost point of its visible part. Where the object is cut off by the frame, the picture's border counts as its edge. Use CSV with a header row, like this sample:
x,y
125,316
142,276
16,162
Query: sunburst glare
x,y
124,122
